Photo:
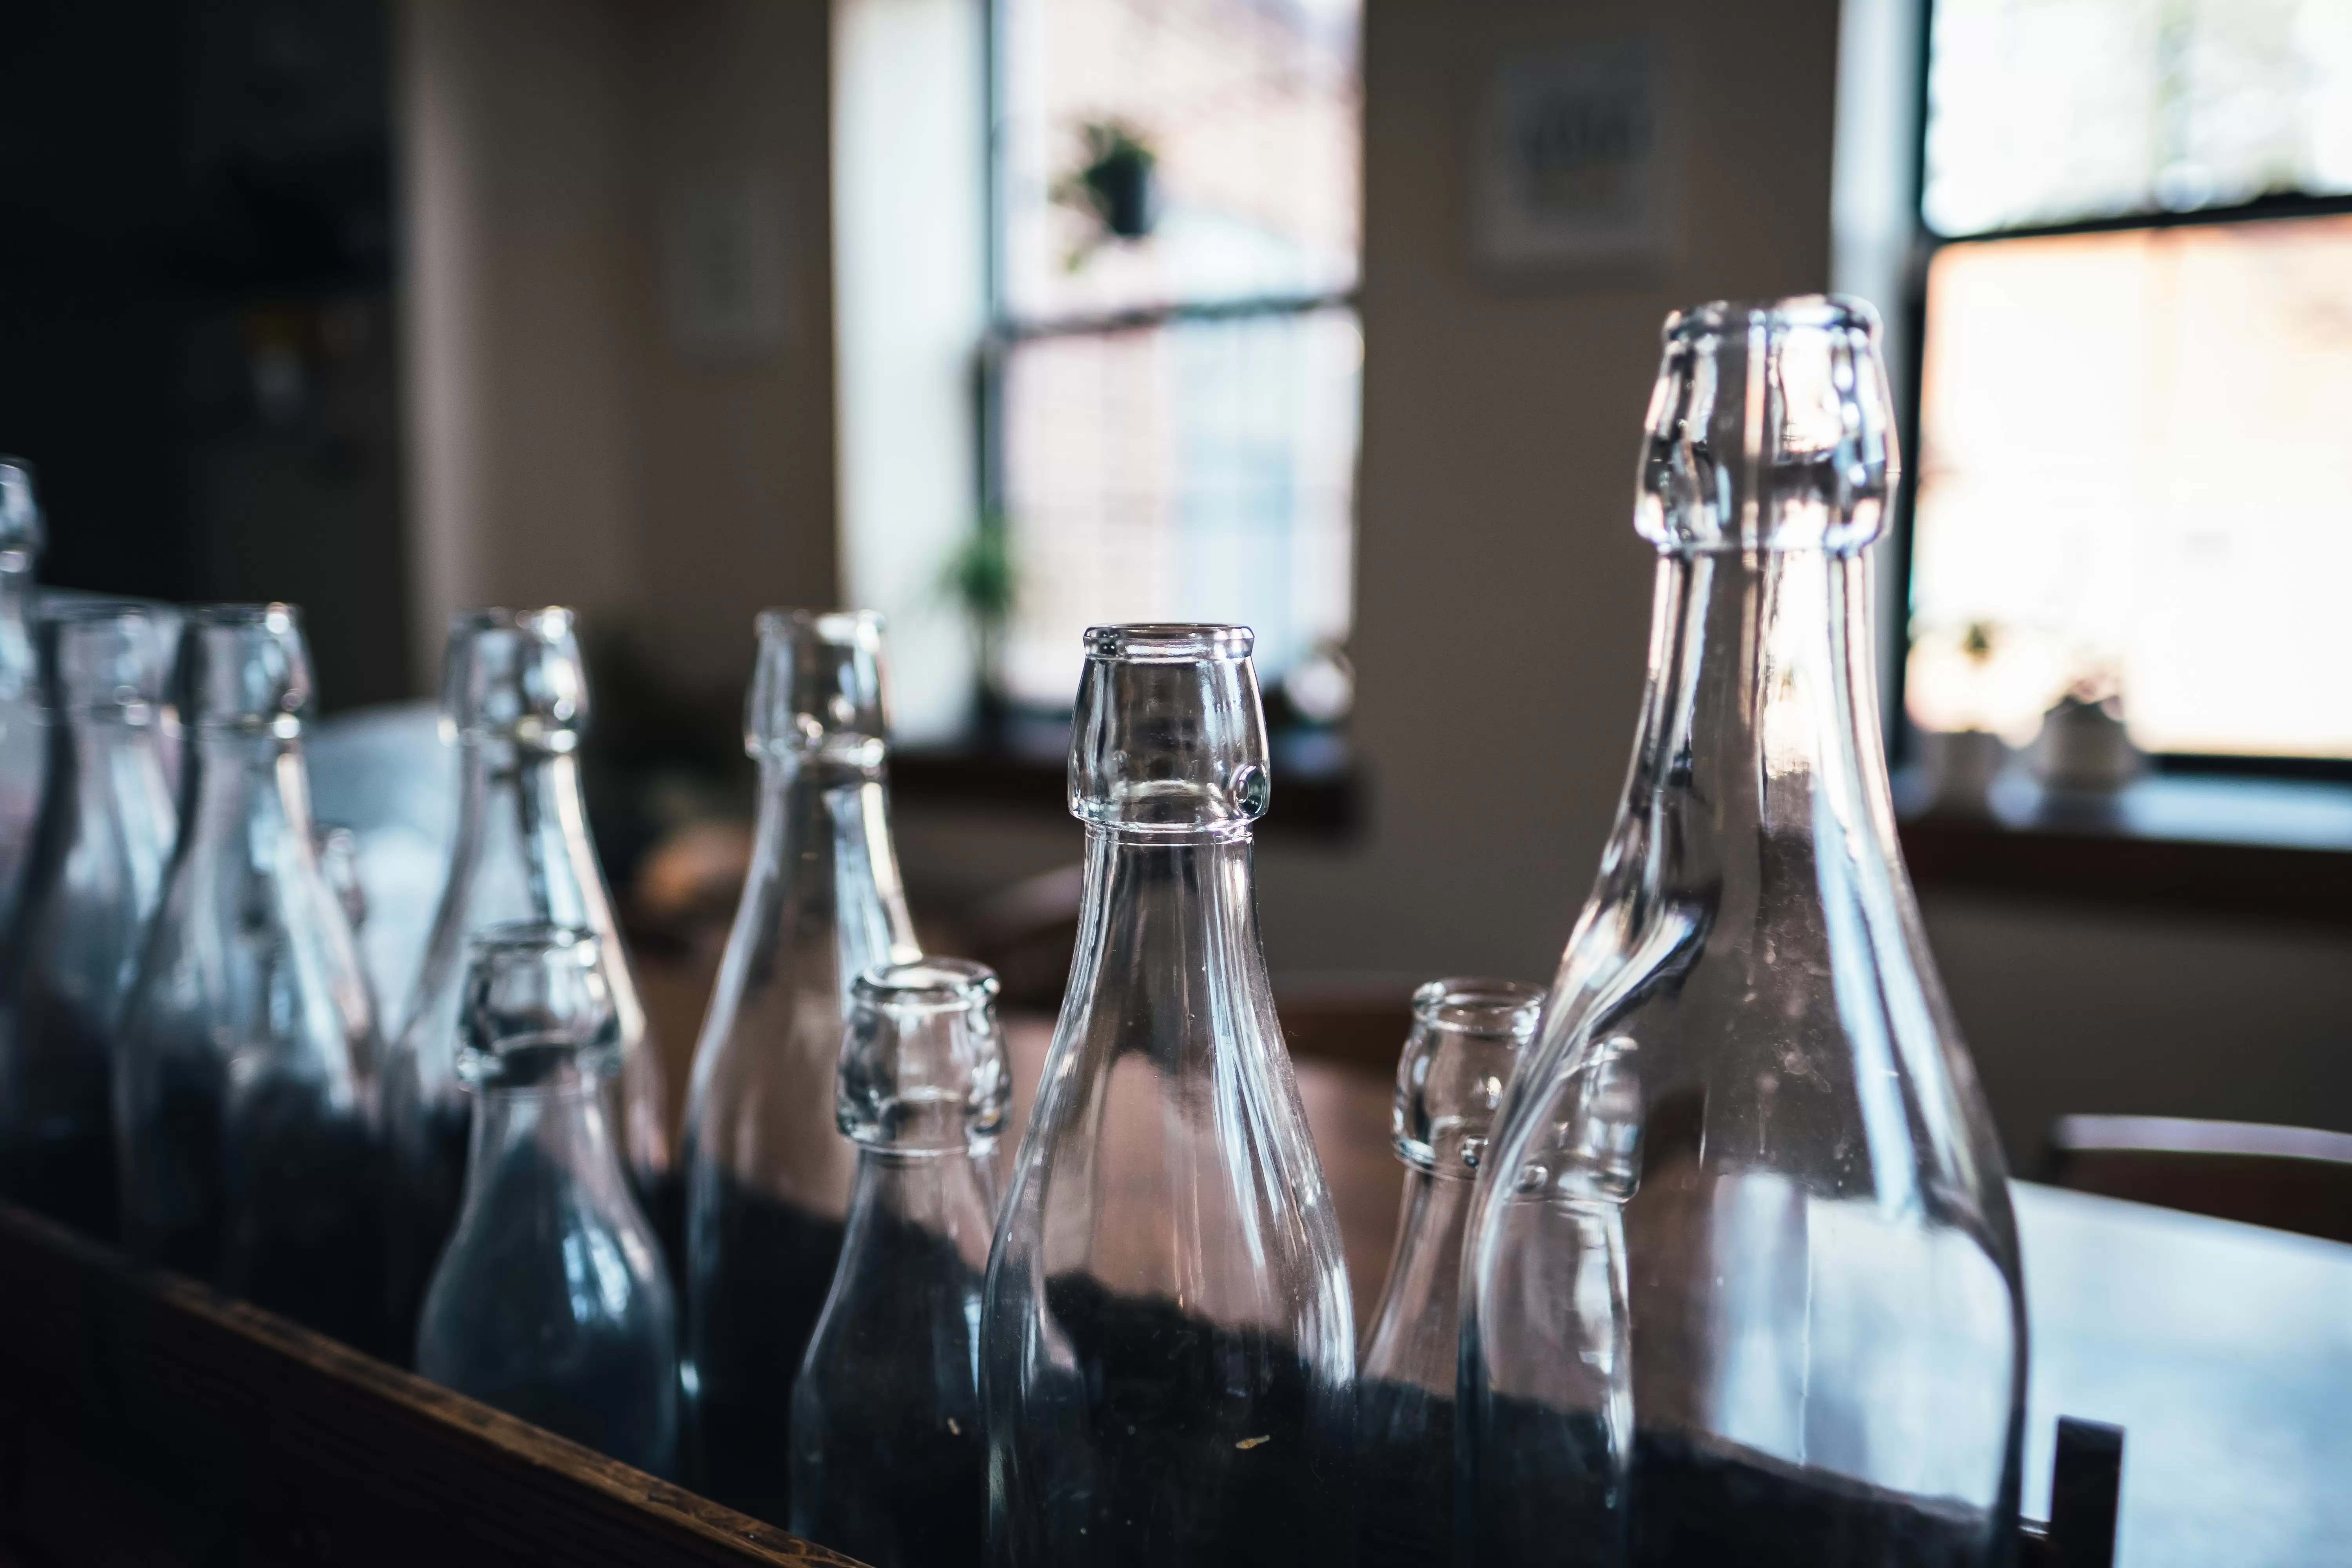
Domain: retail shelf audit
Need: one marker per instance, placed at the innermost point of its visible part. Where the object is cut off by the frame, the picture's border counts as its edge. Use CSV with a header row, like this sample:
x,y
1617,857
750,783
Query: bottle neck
x,y
530,1137
19,666
235,781
1759,760
948,1193
823,844
519,809
1414,1329
1167,948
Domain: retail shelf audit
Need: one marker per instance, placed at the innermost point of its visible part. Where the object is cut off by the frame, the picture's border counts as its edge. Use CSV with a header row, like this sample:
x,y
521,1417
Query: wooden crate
x,y
148,1422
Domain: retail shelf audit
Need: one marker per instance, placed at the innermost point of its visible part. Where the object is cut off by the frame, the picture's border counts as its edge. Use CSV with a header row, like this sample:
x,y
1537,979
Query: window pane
x,y
1250,109
2134,459
1199,471
2049,111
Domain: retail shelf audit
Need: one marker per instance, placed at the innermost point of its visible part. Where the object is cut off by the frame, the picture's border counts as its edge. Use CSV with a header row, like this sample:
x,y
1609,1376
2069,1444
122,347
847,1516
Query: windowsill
x,y
1317,792
2210,843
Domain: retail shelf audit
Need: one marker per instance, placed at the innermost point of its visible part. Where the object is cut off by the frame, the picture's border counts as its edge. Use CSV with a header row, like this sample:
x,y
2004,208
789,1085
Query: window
x,y
1172,389
2134,473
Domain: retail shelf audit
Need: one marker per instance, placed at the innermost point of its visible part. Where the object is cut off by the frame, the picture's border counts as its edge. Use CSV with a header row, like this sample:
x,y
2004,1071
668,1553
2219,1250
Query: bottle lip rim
x,y
1712,318
927,984
90,611
847,628
274,615
503,618
527,936
1170,642
1478,1002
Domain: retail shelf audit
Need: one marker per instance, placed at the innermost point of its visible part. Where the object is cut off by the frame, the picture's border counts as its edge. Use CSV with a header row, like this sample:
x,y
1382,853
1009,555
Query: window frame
x,y
1927,242
1006,331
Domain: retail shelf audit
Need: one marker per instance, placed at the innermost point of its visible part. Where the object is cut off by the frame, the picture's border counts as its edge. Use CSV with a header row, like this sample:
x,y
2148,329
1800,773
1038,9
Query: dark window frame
x,y
2088,856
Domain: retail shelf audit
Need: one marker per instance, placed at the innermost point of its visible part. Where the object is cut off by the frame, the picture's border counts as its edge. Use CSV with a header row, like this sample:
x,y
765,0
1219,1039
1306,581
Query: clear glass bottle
x,y
1168,1357
1466,1035
1742,1281
104,839
24,732
552,1301
515,705
768,1175
246,1083
886,1411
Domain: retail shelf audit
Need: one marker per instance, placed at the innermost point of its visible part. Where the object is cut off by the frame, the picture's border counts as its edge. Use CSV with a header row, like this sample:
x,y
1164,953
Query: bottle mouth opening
x,y
926,985
575,942
1797,311
1479,1005
1170,642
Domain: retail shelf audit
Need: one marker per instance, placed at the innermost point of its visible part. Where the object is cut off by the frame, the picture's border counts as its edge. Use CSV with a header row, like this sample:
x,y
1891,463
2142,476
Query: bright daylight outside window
x,y
2136,415
1175,390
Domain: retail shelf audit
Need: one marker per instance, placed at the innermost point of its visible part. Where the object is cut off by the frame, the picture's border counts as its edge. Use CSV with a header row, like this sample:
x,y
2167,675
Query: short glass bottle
x,y
1742,1278
245,1089
103,843
886,1411
552,1302
1168,1357
768,1175
1466,1035
515,706
24,732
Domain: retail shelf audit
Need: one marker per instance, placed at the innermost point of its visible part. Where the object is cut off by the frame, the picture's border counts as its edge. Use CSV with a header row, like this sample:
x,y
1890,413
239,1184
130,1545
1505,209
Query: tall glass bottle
x,y
768,1175
552,1302
514,703
1742,1281
104,839
1167,1355
1466,1034
888,1459
23,736
246,1091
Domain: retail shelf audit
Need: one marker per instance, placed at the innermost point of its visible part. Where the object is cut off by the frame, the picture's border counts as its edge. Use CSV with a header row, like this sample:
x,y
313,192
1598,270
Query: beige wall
x,y
1503,596
566,445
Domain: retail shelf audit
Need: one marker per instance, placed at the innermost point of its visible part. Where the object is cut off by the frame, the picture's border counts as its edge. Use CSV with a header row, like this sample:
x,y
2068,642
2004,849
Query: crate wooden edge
x,y
82,1329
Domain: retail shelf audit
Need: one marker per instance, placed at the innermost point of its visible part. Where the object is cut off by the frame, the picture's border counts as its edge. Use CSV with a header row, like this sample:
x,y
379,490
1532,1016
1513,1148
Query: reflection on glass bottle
x,y
23,734
552,1302
1168,1356
104,839
1742,1280
1465,1038
515,705
245,1085
887,1408
768,1175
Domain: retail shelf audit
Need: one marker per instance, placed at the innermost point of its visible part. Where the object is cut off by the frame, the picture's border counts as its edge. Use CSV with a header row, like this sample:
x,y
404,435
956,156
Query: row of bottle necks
x,y
188,1048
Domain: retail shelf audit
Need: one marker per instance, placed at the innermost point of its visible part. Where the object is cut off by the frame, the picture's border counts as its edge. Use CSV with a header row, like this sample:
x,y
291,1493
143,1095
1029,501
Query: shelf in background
x,y
2212,843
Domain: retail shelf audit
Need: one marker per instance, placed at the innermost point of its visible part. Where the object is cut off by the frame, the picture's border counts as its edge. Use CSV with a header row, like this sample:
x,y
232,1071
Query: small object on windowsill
x,y
2085,750
1961,768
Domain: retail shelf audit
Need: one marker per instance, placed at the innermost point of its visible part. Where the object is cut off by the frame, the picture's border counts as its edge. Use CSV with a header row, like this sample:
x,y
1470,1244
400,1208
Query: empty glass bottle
x,y
768,1175
1742,1280
515,704
887,1408
1465,1038
1167,1355
104,839
246,1083
23,734
552,1302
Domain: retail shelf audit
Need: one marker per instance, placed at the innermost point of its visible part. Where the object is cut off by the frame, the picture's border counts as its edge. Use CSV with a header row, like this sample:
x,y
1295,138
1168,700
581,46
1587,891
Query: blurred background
x,y
1336,318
